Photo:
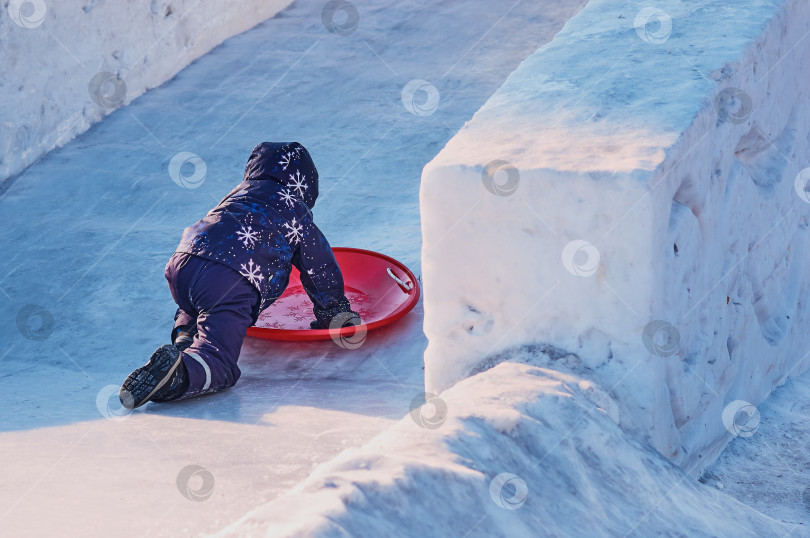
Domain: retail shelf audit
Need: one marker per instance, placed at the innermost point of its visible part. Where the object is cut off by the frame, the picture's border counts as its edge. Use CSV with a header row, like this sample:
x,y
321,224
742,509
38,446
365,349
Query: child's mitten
x,y
341,314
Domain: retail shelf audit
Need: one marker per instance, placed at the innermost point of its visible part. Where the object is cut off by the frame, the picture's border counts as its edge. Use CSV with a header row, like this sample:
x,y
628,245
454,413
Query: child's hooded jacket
x,y
264,227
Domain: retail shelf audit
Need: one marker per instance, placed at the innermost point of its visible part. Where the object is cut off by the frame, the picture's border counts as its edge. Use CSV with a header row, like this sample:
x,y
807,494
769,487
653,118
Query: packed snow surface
x,y
66,64
514,451
88,229
769,468
630,206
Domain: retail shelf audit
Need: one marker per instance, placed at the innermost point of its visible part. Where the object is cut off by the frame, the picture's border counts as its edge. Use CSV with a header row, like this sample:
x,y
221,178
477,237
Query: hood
x,y
288,164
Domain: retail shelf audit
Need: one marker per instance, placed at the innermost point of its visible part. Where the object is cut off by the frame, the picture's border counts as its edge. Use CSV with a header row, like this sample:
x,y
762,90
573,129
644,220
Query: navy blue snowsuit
x,y
236,261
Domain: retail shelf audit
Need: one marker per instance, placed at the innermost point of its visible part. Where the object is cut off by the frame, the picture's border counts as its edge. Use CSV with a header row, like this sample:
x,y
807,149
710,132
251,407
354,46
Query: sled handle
x,y
405,287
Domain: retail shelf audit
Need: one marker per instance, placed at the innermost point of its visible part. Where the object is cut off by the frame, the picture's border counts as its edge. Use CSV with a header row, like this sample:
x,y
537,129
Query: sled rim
x,y
308,335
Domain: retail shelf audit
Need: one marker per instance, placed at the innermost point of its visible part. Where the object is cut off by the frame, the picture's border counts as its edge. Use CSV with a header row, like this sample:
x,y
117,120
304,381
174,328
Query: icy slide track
x,y
647,233
87,230
616,137
66,64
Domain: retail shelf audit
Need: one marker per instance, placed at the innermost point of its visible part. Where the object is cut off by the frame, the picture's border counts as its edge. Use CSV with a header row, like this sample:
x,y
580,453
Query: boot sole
x,y
126,397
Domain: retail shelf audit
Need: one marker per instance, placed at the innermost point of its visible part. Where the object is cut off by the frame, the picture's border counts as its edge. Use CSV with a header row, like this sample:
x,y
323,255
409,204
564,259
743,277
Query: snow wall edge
x,y
132,47
624,208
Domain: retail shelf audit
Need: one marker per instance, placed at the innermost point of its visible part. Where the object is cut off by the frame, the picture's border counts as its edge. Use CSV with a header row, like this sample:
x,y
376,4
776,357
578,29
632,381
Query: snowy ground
x,y
89,228
514,451
769,470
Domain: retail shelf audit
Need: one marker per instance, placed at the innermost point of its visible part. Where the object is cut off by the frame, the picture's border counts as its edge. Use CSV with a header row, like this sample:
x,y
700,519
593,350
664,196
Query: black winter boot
x,y
183,336
163,378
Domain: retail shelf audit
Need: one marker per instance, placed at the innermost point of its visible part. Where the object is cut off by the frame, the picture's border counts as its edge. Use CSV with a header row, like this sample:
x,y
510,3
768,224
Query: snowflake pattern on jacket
x,y
264,226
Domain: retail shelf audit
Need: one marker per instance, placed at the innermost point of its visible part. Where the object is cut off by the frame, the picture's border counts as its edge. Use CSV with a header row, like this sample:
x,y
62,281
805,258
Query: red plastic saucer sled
x,y
379,288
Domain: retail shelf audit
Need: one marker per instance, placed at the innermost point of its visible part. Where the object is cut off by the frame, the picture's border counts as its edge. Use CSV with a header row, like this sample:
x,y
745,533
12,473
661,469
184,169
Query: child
x,y
233,264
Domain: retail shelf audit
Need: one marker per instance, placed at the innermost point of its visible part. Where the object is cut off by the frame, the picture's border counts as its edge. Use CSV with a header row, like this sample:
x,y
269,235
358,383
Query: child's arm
x,y
320,275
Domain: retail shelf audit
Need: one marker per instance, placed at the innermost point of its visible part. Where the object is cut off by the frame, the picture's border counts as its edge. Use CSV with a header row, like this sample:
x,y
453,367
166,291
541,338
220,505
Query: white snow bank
x,y
630,177
570,471
65,65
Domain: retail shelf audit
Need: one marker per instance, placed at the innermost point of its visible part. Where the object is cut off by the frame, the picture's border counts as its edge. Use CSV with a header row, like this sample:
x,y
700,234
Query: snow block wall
x,y
64,65
630,206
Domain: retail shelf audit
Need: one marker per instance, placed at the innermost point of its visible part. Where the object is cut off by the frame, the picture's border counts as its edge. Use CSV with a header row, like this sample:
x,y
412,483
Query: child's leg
x,y
185,327
224,301
216,306
185,319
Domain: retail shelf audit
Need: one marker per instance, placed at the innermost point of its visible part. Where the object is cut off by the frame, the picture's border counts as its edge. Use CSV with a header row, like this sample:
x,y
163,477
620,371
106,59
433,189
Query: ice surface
x,y
88,229
570,471
651,188
52,52
769,470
